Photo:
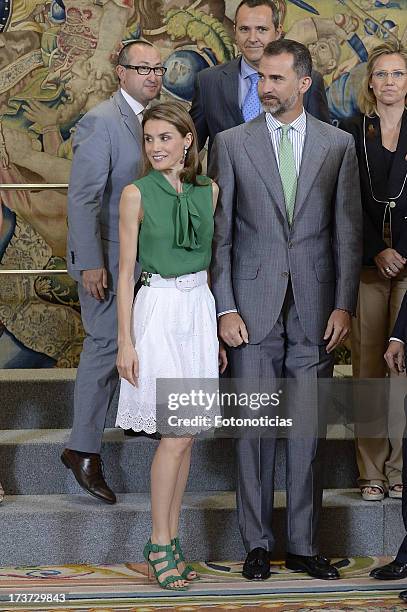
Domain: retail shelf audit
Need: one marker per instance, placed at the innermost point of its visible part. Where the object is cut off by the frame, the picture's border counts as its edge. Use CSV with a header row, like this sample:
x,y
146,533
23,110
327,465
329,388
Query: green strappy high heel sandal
x,y
179,558
168,582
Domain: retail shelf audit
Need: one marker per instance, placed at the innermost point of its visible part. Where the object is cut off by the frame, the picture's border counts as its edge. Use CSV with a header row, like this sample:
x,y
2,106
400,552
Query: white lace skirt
x,y
175,334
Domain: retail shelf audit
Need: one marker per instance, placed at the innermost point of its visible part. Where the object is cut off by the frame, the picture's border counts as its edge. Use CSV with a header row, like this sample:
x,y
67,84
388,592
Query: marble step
x,y
71,529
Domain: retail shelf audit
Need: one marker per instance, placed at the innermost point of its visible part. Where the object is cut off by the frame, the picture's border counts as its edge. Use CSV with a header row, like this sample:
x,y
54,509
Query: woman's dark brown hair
x,y
175,114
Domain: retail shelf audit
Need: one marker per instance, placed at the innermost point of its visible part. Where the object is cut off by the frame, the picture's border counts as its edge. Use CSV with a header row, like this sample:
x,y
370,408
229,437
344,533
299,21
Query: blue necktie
x,y
251,104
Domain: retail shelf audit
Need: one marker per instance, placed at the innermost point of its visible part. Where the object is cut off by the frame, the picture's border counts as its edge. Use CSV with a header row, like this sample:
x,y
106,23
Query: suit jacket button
x,y
285,274
290,245
392,204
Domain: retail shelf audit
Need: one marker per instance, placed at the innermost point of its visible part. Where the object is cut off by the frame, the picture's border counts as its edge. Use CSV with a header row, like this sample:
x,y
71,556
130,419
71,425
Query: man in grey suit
x,y
285,274
226,95
107,157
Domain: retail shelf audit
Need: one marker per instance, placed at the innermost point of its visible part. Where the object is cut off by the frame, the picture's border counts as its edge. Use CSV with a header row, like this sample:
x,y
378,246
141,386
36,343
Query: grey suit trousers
x,y
284,353
97,375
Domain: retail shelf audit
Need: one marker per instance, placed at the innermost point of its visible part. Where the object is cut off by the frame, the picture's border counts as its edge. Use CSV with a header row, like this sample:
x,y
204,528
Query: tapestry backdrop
x,y
56,62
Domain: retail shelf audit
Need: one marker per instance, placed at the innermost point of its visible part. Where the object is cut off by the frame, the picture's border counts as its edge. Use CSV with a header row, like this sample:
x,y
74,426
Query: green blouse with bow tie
x,y
177,229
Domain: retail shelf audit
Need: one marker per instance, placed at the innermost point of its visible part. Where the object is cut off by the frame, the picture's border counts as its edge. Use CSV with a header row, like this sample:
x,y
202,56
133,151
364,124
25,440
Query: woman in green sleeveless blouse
x,y
167,217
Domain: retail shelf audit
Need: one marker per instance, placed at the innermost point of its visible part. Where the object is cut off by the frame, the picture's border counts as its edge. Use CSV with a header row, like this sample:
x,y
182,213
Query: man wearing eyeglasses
x,y
107,156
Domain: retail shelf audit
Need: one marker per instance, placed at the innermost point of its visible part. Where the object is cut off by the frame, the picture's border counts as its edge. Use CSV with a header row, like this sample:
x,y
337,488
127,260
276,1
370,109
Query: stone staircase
x,y
46,519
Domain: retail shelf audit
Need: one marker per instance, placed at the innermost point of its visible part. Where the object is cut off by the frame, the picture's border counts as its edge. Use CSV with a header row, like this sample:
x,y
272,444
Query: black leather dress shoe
x,y
257,565
403,596
136,434
392,571
88,472
316,566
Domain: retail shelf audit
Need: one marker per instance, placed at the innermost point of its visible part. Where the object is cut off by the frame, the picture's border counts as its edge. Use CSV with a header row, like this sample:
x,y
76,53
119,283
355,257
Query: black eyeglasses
x,y
145,70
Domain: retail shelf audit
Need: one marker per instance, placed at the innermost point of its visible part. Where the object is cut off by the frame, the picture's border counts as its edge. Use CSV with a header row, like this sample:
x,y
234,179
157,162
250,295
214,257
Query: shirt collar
x,y
134,105
245,69
298,124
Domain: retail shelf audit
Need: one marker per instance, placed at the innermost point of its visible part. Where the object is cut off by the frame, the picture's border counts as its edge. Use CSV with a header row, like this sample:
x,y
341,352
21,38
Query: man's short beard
x,y
273,110
280,107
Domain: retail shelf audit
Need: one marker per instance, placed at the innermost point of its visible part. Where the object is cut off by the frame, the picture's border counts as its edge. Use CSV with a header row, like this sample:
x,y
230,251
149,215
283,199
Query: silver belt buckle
x,y
187,282
145,278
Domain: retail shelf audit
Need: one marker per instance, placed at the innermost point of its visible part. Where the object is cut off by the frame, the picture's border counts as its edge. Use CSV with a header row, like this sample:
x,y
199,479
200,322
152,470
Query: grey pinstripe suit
x,y
107,157
284,282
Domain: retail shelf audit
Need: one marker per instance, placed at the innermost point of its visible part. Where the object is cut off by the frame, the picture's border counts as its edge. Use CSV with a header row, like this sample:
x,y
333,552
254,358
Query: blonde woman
x,y
380,133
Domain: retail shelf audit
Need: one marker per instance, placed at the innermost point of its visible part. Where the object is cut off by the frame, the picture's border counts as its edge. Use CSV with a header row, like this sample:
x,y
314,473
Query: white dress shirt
x,y
296,136
134,105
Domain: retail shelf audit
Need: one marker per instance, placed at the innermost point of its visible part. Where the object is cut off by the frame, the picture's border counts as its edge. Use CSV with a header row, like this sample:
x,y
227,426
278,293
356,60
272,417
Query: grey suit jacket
x,y
255,250
215,105
107,157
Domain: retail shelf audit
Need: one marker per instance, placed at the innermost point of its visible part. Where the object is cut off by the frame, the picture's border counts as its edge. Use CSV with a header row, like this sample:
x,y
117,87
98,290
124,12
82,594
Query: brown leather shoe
x,y
89,474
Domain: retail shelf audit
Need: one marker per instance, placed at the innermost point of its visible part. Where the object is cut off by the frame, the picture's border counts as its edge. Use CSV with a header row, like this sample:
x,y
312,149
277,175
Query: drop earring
x,y
185,154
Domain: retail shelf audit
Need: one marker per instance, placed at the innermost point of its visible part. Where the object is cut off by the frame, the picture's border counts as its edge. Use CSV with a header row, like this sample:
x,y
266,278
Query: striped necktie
x,y
288,172
251,104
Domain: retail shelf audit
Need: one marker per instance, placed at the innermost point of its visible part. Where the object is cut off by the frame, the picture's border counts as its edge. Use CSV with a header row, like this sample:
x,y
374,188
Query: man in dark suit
x,y
395,358
226,95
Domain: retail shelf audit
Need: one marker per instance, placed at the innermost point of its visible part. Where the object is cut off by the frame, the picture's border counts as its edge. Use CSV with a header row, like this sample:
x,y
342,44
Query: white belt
x,y
186,282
